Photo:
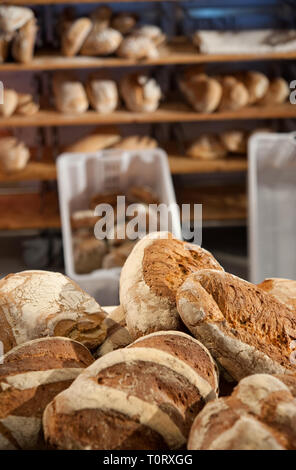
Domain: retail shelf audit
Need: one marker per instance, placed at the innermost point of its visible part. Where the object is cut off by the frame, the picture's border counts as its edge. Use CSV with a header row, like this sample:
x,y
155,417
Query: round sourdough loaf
x,y
141,397
282,289
247,330
34,304
150,277
30,377
259,415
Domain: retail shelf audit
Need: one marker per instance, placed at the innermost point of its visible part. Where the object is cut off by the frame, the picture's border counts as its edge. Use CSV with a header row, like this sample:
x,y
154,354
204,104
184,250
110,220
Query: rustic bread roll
x,y
256,83
234,141
75,35
157,266
88,254
84,219
124,22
140,92
34,304
14,155
136,142
234,94
117,333
4,43
69,94
207,147
13,18
277,93
102,94
202,92
283,290
10,101
134,398
259,415
99,139
24,42
152,32
30,377
137,47
101,42
247,330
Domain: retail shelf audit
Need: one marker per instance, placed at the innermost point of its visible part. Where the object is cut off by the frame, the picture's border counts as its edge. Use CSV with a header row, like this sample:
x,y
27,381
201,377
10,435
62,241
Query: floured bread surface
x,y
118,335
282,289
259,415
247,330
141,397
153,272
31,375
35,304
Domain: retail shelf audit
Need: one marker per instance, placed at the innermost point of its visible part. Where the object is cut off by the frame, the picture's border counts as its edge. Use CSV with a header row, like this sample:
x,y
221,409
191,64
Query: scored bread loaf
x,y
102,94
75,35
234,94
277,92
256,83
24,42
14,155
137,47
282,289
69,94
142,397
140,92
117,333
101,41
246,330
202,92
150,277
34,304
31,375
259,415
207,147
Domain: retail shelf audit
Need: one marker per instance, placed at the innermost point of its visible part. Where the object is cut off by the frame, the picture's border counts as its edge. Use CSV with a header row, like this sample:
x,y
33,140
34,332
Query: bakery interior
x,y
159,101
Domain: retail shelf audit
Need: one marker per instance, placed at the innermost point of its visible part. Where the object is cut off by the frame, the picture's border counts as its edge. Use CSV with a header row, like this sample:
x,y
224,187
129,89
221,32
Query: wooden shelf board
x,y
179,51
33,171
185,165
172,112
57,2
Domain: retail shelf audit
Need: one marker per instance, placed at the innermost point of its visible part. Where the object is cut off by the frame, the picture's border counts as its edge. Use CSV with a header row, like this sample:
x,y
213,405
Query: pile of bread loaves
x,y
91,253
207,94
105,33
18,30
139,91
155,382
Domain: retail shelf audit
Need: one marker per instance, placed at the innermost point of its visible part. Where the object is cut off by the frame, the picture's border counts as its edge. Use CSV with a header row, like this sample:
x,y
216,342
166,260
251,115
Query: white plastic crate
x,y
272,206
80,176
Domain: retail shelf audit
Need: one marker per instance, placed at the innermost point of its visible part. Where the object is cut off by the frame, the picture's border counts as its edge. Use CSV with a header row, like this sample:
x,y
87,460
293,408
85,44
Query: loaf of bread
x,y
134,398
247,330
34,304
136,142
102,94
117,333
137,47
202,92
207,147
256,84
10,102
150,278
101,41
24,42
259,415
277,93
234,94
282,289
27,109
69,94
13,18
140,92
75,35
100,138
234,141
152,32
124,22
30,377
88,254
14,155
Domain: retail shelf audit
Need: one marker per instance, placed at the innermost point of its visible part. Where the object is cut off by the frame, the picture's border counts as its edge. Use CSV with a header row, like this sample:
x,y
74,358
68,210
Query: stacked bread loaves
x,y
18,29
134,398
31,375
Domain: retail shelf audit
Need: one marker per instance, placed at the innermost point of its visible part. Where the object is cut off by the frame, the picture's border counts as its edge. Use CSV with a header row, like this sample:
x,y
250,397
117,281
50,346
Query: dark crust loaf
x,y
145,397
259,415
226,312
